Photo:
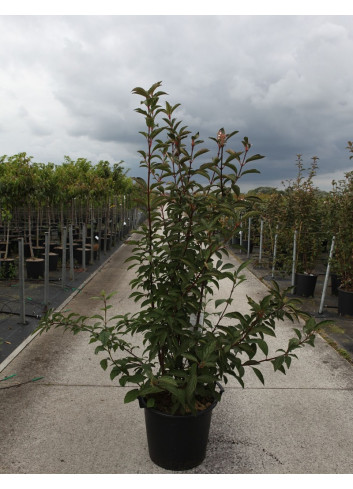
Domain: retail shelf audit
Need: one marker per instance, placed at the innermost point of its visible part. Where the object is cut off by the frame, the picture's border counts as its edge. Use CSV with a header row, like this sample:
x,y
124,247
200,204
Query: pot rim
x,y
305,274
345,290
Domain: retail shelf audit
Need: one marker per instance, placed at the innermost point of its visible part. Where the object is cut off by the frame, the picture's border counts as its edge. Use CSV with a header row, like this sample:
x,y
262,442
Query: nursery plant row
x,y
29,287
38,197
301,231
292,227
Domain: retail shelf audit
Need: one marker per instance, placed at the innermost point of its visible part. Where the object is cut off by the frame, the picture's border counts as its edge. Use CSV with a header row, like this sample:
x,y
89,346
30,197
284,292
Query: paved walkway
x,y
74,421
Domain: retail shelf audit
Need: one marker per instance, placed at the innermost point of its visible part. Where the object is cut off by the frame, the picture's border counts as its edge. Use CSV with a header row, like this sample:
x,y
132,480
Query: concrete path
x,y
74,420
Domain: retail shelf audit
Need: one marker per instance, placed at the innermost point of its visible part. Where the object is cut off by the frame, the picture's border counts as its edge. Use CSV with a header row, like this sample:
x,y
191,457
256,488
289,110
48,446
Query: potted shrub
x,y
274,212
305,201
302,200
191,342
341,206
330,208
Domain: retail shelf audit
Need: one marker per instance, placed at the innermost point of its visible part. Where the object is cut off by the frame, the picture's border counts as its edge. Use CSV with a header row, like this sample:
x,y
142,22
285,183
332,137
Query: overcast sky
x,y
286,82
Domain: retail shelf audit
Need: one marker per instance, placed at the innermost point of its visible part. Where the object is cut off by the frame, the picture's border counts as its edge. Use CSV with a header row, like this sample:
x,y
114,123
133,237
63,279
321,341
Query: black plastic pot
x,y
345,302
59,251
52,246
335,283
305,284
35,267
53,261
78,255
177,442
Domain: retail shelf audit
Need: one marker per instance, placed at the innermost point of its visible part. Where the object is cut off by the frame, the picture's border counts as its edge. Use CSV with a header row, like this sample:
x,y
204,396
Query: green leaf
x,y
115,372
133,379
153,88
150,389
104,364
254,157
231,134
288,361
97,316
191,357
263,346
131,396
259,375
109,296
293,344
250,362
201,152
326,322
298,333
218,302
278,362
140,91
165,380
192,382
150,402
252,170
104,337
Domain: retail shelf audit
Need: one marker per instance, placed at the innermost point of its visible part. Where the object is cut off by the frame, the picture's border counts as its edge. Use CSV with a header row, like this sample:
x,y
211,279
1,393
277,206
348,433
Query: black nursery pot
x,y
35,268
345,302
53,261
305,284
59,251
177,442
78,254
335,283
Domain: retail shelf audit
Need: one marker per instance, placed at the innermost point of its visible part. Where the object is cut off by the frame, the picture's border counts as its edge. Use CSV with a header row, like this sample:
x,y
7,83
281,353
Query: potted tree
x,y
192,342
7,264
29,180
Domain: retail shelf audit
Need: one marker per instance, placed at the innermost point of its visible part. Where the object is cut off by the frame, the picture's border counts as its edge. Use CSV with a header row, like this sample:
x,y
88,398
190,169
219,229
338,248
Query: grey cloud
x,y
285,82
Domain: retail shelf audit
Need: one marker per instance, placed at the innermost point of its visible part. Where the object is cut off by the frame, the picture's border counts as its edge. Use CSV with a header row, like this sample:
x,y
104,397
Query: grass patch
x,y
334,329
341,351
